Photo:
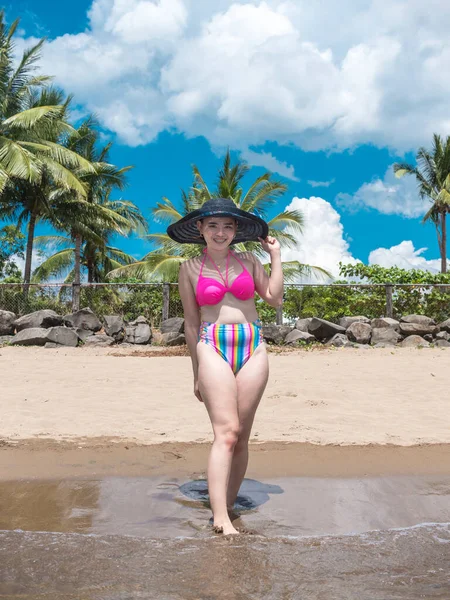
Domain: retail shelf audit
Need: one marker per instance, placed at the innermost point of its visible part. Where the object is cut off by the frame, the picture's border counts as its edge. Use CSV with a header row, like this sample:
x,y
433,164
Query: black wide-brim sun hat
x,y
250,227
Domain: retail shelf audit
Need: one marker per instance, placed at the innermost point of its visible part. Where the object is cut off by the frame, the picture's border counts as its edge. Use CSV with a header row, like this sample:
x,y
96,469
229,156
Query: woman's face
x,y
218,232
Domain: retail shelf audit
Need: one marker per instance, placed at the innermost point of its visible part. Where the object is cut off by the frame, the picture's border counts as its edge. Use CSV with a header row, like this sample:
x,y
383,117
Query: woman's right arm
x,y
191,319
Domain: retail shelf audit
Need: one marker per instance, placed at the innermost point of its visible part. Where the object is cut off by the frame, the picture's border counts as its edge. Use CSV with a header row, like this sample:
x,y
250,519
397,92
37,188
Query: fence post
x,y
389,306
75,297
279,315
166,301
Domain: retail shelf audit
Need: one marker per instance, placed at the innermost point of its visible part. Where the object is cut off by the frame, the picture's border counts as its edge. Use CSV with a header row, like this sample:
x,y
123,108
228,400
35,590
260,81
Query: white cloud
x,y
405,256
324,184
244,72
322,242
269,162
390,196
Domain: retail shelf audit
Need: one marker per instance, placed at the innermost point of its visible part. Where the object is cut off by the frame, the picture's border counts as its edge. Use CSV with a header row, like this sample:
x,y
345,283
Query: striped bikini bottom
x,y
234,342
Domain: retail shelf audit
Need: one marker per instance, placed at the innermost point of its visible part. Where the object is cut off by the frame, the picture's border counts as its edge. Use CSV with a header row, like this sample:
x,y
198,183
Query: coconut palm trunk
x,y
29,254
77,274
443,241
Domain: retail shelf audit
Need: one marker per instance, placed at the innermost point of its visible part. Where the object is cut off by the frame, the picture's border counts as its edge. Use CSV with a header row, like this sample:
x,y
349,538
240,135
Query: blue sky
x,y
328,109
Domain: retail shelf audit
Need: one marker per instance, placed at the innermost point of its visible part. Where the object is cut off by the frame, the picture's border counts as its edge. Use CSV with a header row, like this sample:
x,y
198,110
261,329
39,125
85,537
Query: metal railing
x,y
160,301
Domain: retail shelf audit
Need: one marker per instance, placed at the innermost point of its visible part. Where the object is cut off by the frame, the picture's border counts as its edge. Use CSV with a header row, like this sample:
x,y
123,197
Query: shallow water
x,y
117,538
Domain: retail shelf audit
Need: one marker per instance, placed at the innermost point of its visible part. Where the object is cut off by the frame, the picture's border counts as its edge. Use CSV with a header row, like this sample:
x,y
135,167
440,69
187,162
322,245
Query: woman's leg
x,y
217,385
251,381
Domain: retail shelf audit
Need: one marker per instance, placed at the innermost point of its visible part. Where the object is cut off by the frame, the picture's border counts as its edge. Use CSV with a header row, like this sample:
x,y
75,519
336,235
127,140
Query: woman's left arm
x,y
269,288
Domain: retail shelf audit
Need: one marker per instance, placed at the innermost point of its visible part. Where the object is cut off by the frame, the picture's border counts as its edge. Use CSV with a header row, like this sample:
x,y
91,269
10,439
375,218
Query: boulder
x,y
414,341
7,319
347,321
140,319
339,340
42,319
53,345
275,334
63,336
418,320
83,319
140,333
31,336
443,335
384,322
82,334
5,339
101,339
420,329
445,326
303,324
322,329
115,327
442,343
359,332
173,325
383,345
428,337
384,335
296,337
172,338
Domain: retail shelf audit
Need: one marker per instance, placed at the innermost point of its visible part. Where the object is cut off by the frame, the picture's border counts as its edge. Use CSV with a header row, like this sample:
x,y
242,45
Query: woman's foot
x,y
226,529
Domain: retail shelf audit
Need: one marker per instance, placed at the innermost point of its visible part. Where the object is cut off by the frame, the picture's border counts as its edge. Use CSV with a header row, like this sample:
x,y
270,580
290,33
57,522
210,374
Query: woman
x,y
224,337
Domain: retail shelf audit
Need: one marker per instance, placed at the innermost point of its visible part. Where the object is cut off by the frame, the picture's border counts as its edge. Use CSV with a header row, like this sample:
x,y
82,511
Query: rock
x,y
322,329
40,319
428,337
303,324
339,340
63,336
140,319
172,338
384,322
384,335
414,341
445,326
52,345
443,335
359,332
174,325
138,334
418,320
82,334
101,339
83,319
5,339
383,345
296,337
275,334
7,319
442,344
115,327
31,336
420,329
347,321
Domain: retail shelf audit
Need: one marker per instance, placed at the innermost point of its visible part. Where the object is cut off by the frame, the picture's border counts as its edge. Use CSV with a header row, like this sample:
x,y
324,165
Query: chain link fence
x,y
160,301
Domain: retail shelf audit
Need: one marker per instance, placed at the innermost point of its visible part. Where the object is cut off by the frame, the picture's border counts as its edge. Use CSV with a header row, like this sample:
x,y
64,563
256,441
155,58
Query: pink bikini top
x,y
210,291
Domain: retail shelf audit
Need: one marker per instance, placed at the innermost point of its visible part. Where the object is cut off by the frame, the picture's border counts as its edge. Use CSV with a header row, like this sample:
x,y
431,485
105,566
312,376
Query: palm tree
x,y
433,178
91,223
164,261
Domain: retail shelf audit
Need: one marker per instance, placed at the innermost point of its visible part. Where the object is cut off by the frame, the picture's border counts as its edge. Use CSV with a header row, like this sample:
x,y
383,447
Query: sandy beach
x,y
102,478
342,396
